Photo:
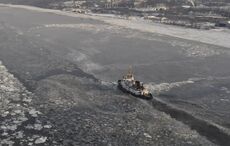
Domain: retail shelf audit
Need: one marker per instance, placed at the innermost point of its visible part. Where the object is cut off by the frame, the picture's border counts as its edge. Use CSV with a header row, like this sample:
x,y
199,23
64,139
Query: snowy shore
x,y
219,37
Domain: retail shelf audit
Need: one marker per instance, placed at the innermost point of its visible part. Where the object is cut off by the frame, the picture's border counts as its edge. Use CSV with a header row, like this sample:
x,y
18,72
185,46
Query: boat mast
x,y
130,71
130,75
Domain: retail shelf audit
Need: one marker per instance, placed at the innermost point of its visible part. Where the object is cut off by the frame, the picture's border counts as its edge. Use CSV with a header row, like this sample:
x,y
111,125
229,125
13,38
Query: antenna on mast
x,y
130,71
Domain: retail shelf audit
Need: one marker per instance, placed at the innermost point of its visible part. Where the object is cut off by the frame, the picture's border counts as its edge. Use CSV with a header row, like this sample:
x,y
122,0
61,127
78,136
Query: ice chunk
x,y
40,140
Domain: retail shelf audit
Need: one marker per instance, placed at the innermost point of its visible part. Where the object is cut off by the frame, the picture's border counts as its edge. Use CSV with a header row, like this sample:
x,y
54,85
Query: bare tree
x,y
74,3
111,3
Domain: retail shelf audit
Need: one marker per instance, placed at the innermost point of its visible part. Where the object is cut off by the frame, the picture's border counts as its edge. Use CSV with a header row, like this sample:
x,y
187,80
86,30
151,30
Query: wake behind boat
x,y
134,87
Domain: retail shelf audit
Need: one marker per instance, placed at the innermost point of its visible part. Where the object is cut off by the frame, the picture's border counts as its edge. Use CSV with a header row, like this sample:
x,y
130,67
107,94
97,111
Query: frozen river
x,y
44,50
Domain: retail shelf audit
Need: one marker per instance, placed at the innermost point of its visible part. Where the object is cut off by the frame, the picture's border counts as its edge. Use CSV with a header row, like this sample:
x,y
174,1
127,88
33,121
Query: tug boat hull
x,y
146,97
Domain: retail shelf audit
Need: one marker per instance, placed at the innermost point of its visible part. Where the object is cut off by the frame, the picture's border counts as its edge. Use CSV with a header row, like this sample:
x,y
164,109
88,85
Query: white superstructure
x,y
130,84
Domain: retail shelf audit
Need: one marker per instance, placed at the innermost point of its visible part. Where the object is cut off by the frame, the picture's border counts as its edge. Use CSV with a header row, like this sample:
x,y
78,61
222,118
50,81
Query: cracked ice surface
x,y
16,113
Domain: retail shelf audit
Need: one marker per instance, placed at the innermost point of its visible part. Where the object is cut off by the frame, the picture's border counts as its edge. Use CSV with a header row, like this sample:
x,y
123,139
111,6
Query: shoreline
x,y
216,37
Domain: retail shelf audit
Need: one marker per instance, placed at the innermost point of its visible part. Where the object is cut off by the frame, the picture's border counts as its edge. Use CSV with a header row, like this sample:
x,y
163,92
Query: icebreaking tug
x,y
136,88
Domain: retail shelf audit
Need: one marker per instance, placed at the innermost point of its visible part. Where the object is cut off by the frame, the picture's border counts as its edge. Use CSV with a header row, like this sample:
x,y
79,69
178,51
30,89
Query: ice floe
x,y
16,113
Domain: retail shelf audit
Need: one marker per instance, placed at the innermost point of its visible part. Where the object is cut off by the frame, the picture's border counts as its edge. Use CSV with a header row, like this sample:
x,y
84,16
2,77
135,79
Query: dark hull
x,y
127,91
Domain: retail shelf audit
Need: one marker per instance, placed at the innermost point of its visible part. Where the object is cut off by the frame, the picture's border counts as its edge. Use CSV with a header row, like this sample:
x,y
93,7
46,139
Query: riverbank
x,y
219,37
